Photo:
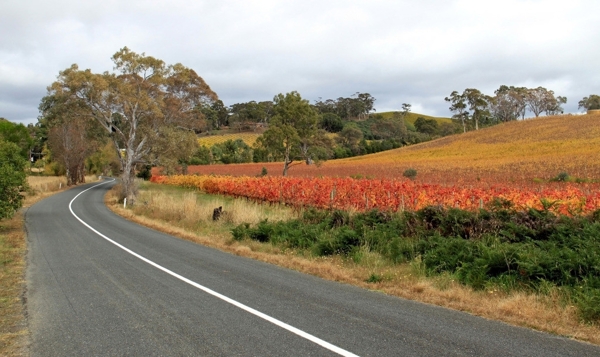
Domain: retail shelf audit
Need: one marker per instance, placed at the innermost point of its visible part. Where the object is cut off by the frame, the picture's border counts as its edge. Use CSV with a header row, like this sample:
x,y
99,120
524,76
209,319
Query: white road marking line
x,y
272,320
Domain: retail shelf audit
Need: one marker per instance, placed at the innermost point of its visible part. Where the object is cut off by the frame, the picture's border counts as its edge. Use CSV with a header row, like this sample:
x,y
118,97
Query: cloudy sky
x,y
400,51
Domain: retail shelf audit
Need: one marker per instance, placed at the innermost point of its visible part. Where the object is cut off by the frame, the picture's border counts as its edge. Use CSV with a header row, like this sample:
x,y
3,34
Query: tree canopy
x,y
142,106
292,130
590,103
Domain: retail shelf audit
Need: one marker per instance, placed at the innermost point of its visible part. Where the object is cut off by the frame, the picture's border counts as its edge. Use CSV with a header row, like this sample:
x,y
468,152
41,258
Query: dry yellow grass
x,y
46,183
545,313
210,140
13,245
13,330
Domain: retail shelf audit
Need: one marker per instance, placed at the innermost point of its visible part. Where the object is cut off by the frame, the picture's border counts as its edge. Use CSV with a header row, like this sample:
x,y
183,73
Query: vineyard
x,y
210,140
391,194
515,153
512,163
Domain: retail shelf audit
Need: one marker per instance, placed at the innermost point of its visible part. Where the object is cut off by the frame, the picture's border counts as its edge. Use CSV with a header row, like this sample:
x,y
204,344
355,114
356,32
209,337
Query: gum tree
x,y
138,105
292,130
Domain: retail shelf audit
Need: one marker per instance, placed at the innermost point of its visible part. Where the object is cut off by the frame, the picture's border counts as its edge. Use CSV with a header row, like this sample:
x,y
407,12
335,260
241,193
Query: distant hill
x,y
514,152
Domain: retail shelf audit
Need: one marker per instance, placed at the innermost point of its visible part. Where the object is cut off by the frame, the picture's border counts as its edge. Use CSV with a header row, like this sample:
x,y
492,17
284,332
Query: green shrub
x,y
562,177
410,173
534,250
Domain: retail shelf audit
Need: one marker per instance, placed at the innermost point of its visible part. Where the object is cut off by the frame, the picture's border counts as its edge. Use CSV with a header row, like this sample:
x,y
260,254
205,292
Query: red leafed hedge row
x,y
390,194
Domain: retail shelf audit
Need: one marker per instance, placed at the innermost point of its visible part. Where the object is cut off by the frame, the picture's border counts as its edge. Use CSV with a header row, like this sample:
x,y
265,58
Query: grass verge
x,y
13,248
188,214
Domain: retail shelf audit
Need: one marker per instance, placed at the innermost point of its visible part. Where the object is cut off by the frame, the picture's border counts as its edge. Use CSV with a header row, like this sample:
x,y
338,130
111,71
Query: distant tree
x,y
541,100
232,152
248,115
13,179
508,103
367,102
291,130
386,128
69,135
427,126
331,123
458,107
326,106
590,103
445,129
68,141
350,137
478,104
554,106
357,106
406,108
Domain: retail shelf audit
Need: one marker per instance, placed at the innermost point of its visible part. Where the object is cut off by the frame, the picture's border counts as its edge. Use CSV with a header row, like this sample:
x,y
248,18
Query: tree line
x,y
474,108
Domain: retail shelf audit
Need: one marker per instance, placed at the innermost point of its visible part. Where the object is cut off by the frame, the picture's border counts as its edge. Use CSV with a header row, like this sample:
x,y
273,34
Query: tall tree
x,y
478,104
69,144
458,107
508,103
541,100
136,103
69,135
291,130
554,106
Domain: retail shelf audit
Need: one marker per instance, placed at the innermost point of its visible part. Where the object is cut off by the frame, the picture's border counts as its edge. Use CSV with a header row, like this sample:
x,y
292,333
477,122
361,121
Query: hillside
x,y
210,140
249,137
412,117
513,152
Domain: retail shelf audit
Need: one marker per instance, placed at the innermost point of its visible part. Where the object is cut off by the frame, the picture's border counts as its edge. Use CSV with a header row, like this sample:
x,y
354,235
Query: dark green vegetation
x,y
496,248
590,103
13,179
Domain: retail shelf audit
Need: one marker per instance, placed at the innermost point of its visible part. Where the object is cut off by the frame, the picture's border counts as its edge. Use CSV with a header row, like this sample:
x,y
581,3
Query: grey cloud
x,y
399,51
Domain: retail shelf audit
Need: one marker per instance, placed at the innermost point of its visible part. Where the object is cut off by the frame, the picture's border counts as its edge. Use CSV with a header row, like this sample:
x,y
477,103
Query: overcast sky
x,y
414,52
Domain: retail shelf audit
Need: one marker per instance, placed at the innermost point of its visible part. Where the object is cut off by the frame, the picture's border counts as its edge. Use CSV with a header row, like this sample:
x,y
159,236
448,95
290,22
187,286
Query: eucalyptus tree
x,y
508,103
478,104
458,107
541,100
139,105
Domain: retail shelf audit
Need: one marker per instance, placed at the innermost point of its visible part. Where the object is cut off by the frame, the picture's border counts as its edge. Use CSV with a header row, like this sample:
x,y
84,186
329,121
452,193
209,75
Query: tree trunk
x,y
286,161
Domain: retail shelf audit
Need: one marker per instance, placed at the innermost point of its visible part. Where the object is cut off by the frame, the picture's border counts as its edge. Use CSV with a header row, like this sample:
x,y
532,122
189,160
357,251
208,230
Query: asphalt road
x,y
126,290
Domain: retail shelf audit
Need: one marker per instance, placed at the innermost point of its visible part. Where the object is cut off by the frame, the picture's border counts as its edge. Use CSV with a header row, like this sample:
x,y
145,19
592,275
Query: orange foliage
x,y
389,194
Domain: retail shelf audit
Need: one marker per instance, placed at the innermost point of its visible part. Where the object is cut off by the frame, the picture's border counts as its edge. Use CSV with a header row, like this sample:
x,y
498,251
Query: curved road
x,y
99,285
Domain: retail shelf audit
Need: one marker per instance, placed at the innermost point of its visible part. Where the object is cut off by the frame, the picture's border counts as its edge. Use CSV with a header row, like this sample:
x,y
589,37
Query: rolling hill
x,y
520,151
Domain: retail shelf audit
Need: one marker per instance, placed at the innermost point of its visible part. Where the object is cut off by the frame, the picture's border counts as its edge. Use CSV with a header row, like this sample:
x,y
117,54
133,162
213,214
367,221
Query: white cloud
x,y
399,51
